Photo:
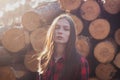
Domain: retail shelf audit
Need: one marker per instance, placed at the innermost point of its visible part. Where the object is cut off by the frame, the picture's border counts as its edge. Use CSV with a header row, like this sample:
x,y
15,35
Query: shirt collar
x,y
61,59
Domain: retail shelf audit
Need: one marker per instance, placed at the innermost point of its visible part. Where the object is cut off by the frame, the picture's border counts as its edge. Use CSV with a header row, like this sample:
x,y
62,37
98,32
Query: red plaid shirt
x,y
58,66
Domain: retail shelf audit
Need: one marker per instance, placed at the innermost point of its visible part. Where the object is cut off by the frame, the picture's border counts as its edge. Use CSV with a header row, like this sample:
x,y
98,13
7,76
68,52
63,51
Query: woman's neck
x,y
59,50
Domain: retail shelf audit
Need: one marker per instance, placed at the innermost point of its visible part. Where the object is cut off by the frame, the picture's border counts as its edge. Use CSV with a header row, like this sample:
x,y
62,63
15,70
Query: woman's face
x,y
62,31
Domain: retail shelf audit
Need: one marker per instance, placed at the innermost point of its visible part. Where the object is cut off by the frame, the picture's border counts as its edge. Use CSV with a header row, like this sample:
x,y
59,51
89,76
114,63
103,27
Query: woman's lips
x,y
59,37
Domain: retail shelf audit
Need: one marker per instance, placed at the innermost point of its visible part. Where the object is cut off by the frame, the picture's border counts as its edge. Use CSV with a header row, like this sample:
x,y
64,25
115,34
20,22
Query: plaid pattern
x,y
56,68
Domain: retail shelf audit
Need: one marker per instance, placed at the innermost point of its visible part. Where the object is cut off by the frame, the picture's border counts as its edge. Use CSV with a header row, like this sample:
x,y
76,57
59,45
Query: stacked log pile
x,y
20,43
97,30
97,26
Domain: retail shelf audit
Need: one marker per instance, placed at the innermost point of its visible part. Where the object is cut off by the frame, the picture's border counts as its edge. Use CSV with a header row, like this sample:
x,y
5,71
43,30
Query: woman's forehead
x,y
63,21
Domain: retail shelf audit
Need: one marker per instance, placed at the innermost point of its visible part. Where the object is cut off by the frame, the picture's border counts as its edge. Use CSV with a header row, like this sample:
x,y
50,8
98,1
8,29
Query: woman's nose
x,y
60,31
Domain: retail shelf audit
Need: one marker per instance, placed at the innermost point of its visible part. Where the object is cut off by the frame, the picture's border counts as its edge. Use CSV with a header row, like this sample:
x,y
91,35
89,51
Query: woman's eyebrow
x,y
66,27
57,25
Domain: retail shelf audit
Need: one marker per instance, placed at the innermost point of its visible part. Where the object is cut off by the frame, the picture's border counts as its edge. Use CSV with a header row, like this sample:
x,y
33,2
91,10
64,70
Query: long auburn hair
x,y
71,56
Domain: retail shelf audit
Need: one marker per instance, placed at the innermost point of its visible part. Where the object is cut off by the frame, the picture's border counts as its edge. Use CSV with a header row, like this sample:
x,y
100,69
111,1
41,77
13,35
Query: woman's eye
x,y
57,27
67,29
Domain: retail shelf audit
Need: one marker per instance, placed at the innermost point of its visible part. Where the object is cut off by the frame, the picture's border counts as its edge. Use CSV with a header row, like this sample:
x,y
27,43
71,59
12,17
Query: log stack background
x,y
97,30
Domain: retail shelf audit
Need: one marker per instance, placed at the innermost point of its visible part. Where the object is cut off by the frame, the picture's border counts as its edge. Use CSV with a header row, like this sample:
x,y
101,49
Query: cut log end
x,y
31,61
37,38
83,45
112,6
94,78
14,40
99,29
6,73
105,71
117,36
117,60
70,4
104,51
90,10
78,24
31,20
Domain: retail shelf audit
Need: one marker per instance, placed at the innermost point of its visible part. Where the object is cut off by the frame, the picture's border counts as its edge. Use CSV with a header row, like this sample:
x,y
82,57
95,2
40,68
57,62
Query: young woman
x,y
59,59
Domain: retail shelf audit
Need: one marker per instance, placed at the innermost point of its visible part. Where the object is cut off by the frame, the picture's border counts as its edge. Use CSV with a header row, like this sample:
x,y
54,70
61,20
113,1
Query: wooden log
x,y
90,10
14,40
83,45
2,30
48,11
6,73
1,34
37,39
31,62
27,37
5,57
19,70
112,6
93,78
43,14
105,71
99,29
69,5
18,58
31,20
105,51
78,24
117,60
117,36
